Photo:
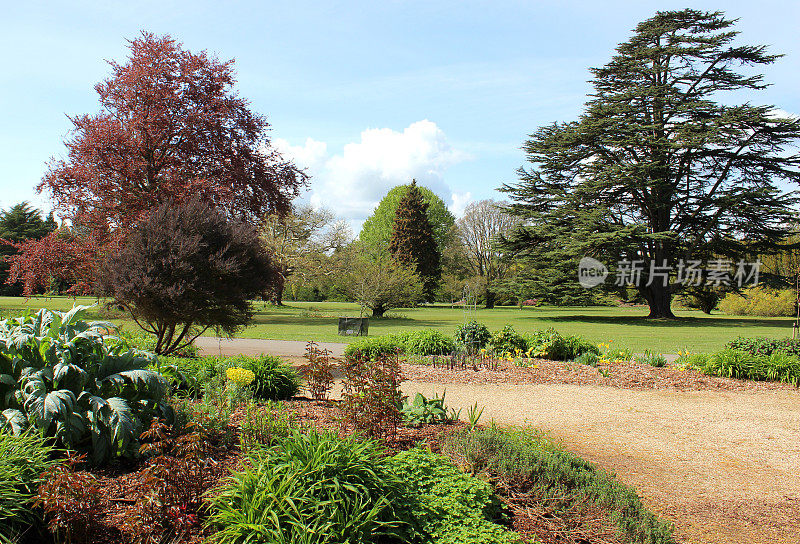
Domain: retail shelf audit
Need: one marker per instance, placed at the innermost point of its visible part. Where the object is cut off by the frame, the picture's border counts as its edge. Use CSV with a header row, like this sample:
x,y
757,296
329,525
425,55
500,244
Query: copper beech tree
x,y
170,126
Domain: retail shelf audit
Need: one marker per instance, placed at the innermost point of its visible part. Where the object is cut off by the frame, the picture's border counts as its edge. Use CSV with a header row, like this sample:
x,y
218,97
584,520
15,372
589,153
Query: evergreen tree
x,y
19,223
413,243
656,170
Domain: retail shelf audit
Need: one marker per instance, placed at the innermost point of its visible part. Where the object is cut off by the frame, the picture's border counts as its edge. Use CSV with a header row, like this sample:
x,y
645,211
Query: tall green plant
x,y
60,376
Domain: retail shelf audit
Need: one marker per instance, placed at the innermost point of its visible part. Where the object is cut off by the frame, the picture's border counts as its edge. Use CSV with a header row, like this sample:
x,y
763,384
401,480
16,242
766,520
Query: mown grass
x,y
626,327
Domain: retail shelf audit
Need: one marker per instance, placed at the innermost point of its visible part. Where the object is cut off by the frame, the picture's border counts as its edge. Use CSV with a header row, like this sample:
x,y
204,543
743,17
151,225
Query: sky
x,y
364,95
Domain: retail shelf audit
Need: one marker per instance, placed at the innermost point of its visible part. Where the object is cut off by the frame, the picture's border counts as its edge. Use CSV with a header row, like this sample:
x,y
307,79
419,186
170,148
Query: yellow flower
x,y
240,376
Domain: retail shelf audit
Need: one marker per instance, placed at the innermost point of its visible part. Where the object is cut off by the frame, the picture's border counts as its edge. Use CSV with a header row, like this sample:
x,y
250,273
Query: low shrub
x,y
762,345
23,461
731,363
472,335
374,348
274,379
371,397
312,488
318,371
425,342
507,340
588,358
760,301
525,462
549,344
448,506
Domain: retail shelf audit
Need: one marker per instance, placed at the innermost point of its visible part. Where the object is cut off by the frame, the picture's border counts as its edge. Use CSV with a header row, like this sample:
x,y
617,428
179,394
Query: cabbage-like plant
x,y
72,381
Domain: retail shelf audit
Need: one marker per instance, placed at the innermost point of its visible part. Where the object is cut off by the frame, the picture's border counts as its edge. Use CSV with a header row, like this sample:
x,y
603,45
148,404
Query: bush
x,y
371,397
60,376
766,346
23,461
549,344
374,348
526,463
274,379
472,335
425,342
424,411
507,340
312,488
448,505
318,371
760,301
731,363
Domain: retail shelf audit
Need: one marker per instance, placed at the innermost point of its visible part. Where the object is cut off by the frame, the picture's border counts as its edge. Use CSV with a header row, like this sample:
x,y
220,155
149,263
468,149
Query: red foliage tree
x,y
170,127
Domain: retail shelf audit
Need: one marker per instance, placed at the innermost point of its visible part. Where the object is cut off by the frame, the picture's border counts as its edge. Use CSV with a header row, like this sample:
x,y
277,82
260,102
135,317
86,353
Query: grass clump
x,y
525,462
23,461
732,363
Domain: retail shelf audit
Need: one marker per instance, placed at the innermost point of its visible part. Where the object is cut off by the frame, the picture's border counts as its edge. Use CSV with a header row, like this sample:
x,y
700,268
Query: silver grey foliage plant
x,y
75,382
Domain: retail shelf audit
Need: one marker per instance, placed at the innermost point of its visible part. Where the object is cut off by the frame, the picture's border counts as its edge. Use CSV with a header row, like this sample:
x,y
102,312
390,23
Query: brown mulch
x,y
121,483
621,375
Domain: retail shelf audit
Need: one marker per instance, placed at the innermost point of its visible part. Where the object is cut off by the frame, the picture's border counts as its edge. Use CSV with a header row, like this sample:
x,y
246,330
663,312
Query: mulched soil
x,y
120,483
622,375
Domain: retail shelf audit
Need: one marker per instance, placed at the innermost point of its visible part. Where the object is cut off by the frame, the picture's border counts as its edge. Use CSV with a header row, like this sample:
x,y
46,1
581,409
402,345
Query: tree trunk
x,y
378,311
659,298
490,296
277,292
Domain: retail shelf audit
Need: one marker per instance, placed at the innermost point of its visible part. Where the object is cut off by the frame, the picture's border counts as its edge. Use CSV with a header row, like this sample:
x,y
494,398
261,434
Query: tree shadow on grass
x,y
261,318
692,322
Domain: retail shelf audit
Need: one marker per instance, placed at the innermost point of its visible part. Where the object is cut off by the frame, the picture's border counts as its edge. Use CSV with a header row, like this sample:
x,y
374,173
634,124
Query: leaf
x,y
15,419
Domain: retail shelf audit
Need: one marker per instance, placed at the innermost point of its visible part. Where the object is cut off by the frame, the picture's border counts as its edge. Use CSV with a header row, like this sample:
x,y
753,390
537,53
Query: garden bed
x,y
532,519
629,375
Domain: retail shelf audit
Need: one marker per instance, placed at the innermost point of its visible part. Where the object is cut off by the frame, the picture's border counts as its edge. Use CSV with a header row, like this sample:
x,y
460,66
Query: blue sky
x,y
363,94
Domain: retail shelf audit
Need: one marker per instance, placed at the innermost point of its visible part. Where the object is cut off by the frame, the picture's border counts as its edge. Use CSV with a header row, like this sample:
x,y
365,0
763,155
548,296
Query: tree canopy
x,y
377,229
658,169
412,243
171,126
19,223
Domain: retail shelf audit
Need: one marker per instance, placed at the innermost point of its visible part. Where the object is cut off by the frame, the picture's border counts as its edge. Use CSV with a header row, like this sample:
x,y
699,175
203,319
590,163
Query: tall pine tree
x,y
413,243
657,170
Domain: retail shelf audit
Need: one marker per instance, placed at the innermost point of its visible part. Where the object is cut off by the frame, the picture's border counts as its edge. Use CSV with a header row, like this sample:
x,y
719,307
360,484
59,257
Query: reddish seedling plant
x,y
371,396
319,371
71,501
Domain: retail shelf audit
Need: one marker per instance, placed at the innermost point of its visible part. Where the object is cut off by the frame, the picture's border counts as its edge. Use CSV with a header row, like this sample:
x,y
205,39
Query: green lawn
x,y
620,326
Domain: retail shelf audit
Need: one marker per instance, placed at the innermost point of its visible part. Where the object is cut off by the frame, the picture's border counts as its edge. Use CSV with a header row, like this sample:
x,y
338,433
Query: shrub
x,y
374,348
760,301
319,371
23,461
185,268
549,344
507,340
472,335
311,488
588,358
525,462
652,359
766,346
59,376
425,342
371,397
448,505
731,363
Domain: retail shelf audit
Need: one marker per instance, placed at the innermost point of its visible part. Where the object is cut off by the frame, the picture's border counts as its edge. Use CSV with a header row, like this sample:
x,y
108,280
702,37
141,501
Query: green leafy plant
x,y
264,425
766,346
371,397
311,488
424,411
549,344
731,363
760,301
59,376
588,358
524,461
23,461
474,416
274,379
472,335
425,342
374,348
652,359
507,340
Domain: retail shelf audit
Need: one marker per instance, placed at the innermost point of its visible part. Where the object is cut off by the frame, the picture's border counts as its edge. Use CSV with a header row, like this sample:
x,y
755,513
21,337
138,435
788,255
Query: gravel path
x,y
723,465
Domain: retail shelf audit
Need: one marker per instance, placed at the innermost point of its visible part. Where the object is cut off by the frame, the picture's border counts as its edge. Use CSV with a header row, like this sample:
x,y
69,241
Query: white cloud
x,y
352,182
460,202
